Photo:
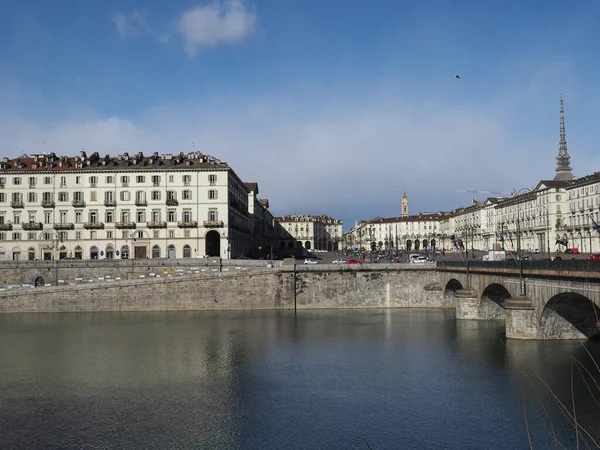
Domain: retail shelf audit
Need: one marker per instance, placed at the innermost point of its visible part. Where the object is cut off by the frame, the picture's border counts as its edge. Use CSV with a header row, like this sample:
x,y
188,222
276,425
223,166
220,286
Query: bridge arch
x,y
492,299
569,315
450,289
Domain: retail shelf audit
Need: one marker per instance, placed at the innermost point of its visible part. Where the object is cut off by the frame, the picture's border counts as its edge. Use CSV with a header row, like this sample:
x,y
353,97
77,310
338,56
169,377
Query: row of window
x,y
109,216
94,253
109,179
587,190
584,219
78,235
109,197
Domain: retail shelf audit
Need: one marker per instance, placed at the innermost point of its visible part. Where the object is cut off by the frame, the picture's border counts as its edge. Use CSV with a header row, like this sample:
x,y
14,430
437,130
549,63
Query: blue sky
x,y
333,107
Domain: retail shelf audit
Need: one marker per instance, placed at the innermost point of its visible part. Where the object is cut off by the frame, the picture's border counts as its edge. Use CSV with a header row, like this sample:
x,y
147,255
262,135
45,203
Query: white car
x,y
340,261
310,261
419,260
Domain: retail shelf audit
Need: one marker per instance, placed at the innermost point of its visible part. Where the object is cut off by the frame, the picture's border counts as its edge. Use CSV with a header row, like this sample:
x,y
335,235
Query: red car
x,y
594,257
353,261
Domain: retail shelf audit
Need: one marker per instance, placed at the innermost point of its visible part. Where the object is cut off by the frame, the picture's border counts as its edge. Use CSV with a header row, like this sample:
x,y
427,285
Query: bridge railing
x,y
578,265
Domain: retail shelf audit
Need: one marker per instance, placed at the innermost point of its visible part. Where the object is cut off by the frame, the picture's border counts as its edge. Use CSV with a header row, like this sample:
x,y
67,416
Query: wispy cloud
x,y
124,27
131,24
208,26
203,27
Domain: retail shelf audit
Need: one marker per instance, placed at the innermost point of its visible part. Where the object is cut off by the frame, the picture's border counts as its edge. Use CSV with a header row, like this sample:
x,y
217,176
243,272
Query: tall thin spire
x,y
563,160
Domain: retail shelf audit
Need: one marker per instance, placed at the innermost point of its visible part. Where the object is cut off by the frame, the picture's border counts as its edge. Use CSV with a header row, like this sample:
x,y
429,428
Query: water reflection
x,y
268,379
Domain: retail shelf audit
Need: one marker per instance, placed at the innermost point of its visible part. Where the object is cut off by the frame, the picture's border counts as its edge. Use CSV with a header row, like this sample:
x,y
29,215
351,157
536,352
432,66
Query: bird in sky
x,y
457,76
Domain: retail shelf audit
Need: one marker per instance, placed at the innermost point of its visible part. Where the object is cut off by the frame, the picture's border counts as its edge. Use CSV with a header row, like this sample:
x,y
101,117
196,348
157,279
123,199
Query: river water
x,y
401,379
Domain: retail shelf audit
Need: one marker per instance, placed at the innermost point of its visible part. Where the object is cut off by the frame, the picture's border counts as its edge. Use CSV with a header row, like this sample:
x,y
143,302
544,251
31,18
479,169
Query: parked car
x,y
419,260
354,261
340,261
310,261
574,251
594,257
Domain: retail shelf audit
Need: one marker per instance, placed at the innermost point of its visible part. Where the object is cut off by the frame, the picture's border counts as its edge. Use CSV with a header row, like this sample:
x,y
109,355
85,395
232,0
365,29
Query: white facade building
x,y
96,207
583,209
311,232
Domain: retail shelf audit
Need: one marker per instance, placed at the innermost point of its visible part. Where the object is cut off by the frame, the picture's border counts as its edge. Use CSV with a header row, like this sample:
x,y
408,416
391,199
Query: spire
x,y
563,160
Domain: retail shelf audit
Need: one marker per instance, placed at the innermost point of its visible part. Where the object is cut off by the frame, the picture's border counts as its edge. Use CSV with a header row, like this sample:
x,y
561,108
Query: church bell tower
x,y
404,205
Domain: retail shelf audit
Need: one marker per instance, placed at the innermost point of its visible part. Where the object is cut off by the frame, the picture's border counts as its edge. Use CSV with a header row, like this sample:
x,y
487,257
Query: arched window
x,y
187,251
94,252
125,252
31,253
109,251
155,252
78,252
171,252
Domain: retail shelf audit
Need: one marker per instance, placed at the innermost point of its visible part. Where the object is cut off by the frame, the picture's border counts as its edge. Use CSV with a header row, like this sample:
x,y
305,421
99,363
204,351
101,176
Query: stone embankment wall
x,y
285,287
18,273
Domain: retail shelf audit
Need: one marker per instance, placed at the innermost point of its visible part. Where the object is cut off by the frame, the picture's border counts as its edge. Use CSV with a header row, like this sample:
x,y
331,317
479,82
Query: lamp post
x,y
521,279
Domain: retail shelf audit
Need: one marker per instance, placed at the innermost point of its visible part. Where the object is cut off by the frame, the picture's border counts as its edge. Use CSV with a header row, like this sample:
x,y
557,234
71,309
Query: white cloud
x,y
124,28
210,25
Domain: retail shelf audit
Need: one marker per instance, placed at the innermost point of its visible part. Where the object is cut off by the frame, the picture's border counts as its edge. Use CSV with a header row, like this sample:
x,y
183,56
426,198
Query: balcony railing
x,y
125,225
190,224
141,202
34,226
93,225
159,224
172,202
110,203
213,223
78,203
64,226
17,204
5,226
47,203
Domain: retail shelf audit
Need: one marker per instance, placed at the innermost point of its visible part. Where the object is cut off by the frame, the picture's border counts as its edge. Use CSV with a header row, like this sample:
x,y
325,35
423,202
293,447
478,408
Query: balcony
x,y
172,202
47,203
212,223
78,203
5,226
159,224
93,225
110,203
64,226
17,204
141,202
190,224
125,225
32,226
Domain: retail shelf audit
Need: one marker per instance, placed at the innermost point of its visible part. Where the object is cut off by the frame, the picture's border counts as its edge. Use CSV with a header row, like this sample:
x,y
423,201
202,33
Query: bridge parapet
x,y
580,269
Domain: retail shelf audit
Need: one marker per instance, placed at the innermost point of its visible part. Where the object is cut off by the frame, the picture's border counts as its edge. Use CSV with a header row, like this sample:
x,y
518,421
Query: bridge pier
x,y
521,320
467,304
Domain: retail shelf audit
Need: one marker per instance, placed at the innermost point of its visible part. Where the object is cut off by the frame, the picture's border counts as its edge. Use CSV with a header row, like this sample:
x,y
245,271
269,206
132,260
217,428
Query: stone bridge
x,y
537,299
